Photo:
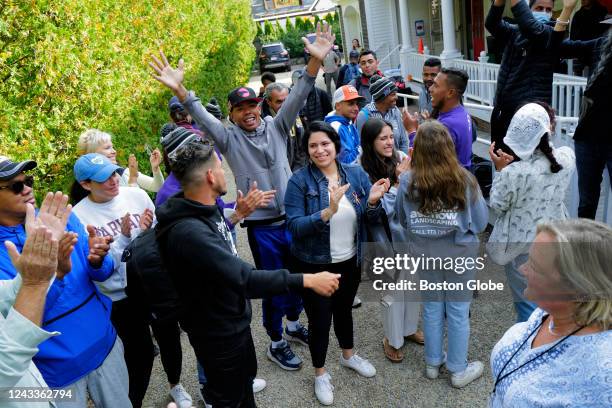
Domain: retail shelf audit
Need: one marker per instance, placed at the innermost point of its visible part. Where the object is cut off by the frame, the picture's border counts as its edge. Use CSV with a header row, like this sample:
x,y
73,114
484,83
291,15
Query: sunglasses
x,y
18,186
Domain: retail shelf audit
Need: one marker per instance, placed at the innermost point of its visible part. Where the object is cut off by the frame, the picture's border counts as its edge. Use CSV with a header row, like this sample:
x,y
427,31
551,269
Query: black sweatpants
x,y
321,309
168,336
132,325
230,365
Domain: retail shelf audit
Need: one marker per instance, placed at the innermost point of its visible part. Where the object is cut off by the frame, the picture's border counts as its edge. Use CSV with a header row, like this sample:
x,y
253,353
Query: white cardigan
x,y
523,194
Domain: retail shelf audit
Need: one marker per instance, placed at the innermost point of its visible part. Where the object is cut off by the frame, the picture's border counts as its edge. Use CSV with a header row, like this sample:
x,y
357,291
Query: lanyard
x,y
500,378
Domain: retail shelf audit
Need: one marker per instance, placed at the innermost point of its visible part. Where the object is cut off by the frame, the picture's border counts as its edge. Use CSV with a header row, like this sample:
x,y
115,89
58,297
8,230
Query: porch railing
x,y
564,132
567,89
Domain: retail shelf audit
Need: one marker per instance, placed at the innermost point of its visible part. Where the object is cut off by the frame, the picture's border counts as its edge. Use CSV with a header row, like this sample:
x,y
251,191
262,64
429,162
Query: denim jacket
x,y
307,196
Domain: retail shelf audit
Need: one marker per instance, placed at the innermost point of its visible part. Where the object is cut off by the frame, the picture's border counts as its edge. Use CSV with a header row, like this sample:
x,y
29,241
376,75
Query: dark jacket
x,y
597,104
317,106
214,284
295,154
307,196
531,52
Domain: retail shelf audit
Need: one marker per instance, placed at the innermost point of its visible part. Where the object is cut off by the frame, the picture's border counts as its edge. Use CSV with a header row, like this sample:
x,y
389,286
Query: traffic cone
x,y
421,46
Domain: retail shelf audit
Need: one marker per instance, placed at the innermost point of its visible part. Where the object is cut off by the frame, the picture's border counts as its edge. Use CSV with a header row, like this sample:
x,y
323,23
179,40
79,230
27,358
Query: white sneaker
x,y
432,372
361,365
472,372
258,385
181,396
324,390
356,302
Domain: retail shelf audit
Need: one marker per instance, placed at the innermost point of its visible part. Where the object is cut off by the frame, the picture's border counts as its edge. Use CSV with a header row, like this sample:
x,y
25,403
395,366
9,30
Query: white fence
x,y
564,132
567,89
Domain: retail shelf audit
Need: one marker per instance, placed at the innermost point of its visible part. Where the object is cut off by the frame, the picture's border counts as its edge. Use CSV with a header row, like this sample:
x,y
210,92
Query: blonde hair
x,y
584,260
90,140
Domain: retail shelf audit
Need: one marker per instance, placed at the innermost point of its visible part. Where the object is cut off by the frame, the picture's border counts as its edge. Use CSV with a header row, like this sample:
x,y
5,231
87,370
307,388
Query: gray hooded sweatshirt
x,y
260,155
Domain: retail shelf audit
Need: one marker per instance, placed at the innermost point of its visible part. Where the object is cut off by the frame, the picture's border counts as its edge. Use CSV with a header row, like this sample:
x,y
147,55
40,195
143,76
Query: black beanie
x,y
178,137
214,109
381,87
166,129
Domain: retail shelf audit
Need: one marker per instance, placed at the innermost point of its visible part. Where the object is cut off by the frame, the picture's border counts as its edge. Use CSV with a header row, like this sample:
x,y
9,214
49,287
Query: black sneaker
x,y
284,357
298,336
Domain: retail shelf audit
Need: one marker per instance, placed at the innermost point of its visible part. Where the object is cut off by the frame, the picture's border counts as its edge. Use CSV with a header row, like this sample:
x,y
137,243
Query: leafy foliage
x,y
291,35
66,66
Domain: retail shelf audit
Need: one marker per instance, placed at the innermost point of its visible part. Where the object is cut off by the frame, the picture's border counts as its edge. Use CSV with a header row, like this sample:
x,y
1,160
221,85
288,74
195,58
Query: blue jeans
x,y
518,284
452,307
591,160
270,247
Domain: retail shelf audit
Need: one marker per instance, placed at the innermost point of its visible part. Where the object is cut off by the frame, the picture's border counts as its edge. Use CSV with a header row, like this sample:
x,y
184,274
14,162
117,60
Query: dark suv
x,y
274,55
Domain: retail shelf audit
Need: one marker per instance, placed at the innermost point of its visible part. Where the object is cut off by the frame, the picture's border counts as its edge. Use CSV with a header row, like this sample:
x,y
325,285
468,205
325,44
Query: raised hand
x,y
322,44
164,73
155,159
402,166
322,283
254,199
146,219
53,214
65,247
425,115
499,158
410,121
335,195
126,226
98,247
133,166
37,262
378,190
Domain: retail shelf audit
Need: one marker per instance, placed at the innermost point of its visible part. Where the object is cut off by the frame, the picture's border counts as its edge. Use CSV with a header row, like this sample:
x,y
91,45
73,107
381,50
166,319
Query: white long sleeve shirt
x,y
106,219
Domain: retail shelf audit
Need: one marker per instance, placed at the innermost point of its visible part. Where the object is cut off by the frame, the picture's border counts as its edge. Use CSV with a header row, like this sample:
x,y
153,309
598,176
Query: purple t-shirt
x,y
459,125
172,186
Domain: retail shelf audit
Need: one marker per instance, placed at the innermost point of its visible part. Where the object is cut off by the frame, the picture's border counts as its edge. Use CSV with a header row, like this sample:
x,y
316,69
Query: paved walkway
x,y
395,385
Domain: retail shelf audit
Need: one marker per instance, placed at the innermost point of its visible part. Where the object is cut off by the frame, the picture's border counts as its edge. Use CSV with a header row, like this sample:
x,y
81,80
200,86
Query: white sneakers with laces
x,y
472,372
181,397
324,390
361,365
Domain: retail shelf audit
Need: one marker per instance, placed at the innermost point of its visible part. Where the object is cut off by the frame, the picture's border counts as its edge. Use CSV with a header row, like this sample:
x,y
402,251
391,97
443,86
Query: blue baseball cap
x,y
95,167
175,105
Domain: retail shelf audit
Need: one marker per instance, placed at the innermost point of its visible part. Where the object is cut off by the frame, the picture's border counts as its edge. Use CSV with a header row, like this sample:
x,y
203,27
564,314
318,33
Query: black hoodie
x,y
213,283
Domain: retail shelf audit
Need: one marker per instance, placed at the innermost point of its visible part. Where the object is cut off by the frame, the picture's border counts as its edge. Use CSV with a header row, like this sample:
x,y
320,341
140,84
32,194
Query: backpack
x,y
149,283
482,169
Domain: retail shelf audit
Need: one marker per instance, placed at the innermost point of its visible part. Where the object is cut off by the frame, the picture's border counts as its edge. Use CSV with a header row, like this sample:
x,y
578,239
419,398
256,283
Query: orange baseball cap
x,y
346,93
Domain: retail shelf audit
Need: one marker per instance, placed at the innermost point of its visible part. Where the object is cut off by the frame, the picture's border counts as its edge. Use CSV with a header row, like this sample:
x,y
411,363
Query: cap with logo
x,y
95,167
346,93
242,94
9,168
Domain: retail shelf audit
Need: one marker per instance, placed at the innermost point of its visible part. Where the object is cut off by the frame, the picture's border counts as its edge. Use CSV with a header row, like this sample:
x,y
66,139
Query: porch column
x,y
448,31
404,29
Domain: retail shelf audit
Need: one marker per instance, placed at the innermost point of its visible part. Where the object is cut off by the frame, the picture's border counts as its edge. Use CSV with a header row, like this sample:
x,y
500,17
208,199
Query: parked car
x,y
274,55
312,37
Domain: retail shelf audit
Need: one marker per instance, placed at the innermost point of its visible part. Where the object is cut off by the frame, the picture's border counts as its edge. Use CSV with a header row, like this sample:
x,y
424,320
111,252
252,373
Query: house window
x,y
277,4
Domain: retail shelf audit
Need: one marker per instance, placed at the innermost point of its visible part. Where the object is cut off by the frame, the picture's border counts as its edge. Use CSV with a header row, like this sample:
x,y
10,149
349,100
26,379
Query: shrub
x,y
66,66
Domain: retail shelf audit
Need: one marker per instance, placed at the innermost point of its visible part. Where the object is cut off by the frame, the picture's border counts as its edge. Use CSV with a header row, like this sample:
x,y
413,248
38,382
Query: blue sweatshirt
x,y
349,138
87,334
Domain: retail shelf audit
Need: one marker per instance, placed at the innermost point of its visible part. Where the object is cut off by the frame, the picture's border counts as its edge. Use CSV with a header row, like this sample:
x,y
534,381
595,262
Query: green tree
x,y
66,66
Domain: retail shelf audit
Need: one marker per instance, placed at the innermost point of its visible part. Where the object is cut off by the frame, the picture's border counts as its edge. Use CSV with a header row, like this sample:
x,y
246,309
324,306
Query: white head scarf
x,y
527,127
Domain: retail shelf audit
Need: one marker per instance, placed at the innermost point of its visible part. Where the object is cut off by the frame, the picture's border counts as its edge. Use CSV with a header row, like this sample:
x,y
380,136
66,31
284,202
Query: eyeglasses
x,y
18,186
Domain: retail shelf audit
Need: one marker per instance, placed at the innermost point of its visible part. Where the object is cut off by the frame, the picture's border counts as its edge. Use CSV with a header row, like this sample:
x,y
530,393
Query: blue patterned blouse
x,y
576,373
